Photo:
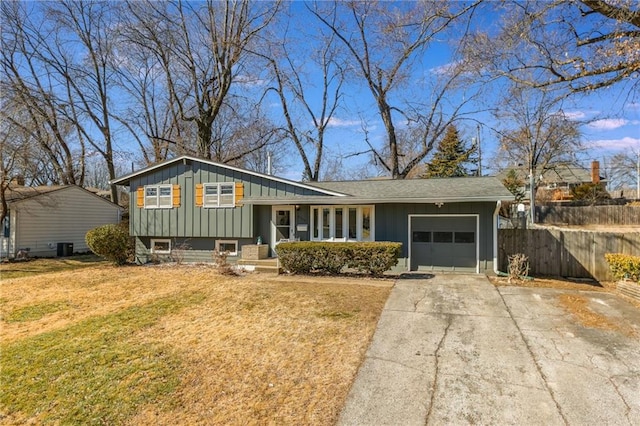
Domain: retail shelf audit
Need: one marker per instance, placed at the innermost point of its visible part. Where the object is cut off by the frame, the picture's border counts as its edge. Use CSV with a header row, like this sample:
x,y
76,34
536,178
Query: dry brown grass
x,y
550,283
257,350
578,306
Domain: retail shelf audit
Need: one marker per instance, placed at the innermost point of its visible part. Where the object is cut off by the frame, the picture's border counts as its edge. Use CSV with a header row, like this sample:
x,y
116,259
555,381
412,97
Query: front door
x,y
282,224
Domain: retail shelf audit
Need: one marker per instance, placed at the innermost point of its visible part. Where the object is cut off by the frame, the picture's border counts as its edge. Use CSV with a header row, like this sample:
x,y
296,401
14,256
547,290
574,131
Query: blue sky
x,y
610,120
610,117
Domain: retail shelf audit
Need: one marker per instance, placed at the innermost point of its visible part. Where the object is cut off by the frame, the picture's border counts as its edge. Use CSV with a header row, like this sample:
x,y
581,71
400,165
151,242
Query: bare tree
x,y
68,50
202,50
30,99
81,54
579,45
386,42
536,133
150,118
295,67
11,146
621,170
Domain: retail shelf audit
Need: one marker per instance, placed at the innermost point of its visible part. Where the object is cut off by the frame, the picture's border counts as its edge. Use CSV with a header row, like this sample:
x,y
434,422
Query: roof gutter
x,y
348,200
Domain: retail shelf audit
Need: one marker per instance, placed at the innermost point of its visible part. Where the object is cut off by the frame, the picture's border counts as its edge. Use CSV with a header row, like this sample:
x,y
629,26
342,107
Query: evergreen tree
x,y
451,157
514,184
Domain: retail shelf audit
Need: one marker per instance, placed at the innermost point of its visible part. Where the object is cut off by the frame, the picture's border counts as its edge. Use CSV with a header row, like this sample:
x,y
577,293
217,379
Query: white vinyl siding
x,y
62,216
219,195
158,196
342,223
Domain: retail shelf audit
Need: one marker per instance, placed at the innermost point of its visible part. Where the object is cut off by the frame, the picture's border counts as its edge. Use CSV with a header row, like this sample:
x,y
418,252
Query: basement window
x,y
229,246
161,246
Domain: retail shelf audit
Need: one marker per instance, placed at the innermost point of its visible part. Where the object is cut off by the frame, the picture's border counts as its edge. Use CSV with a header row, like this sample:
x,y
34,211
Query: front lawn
x,y
181,345
30,267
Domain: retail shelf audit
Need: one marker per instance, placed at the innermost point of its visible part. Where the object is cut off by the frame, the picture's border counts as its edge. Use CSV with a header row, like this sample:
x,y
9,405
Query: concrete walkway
x,y
448,350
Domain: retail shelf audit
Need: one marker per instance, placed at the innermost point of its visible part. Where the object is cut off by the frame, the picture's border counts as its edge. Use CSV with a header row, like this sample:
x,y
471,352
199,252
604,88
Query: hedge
x,y
624,266
111,242
305,257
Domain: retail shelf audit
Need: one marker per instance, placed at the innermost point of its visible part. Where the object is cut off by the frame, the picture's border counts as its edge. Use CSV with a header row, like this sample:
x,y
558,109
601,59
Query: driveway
x,y
454,349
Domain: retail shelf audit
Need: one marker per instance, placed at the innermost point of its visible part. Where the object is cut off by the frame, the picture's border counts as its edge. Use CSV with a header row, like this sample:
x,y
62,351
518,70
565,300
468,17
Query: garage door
x,y
444,243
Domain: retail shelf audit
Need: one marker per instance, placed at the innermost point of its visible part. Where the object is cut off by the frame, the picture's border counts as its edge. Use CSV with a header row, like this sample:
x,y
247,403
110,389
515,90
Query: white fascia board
x,y
356,200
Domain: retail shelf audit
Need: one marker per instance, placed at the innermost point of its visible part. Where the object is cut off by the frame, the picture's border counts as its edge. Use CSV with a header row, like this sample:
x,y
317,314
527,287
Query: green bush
x,y
375,258
333,257
624,266
111,242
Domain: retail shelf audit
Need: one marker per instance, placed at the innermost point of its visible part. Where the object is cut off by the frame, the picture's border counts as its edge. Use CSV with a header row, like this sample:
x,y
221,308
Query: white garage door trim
x,y
477,217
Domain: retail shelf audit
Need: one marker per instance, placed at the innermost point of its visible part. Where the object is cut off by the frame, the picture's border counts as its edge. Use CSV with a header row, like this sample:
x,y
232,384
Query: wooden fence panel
x,y
588,215
566,253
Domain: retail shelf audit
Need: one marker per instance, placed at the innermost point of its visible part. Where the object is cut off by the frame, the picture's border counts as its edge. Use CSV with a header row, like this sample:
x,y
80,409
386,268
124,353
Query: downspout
x,y
495,238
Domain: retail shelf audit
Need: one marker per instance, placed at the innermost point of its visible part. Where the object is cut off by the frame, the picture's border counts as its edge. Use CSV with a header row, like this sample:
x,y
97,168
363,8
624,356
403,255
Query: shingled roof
x,y
462,189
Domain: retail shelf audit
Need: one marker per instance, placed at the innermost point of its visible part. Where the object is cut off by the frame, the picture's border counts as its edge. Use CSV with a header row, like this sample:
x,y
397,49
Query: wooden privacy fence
x,y
588,215
566,253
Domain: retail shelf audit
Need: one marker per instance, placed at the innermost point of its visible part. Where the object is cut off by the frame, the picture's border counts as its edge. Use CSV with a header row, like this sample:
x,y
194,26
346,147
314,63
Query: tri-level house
x,y
186,202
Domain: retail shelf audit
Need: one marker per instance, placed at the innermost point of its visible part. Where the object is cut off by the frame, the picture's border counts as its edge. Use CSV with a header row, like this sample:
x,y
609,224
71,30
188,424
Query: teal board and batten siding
x,y
183,250
392,224
191,221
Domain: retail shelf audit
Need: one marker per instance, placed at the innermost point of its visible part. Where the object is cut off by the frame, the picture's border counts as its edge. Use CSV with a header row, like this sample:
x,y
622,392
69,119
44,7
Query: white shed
x,y
50,221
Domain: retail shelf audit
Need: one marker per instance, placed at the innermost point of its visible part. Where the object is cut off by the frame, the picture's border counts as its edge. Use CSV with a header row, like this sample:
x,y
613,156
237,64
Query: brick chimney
x,y
595,171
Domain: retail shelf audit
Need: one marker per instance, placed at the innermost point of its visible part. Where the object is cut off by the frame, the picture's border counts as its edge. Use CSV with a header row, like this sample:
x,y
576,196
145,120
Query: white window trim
x,y
218,186
158,240
231,253
345,223
157,198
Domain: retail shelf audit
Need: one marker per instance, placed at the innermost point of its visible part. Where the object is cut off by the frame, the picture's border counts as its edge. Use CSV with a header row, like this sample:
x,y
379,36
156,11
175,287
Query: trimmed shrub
x,y
111,242
624,266
374,258
333,257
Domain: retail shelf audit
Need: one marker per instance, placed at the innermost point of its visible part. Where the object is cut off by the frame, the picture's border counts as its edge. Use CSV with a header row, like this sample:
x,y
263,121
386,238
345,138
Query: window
x,y
353,223
314,219
219,195
421,237
342,223
158,196
339,223
366,224
326,223
227,246
161,246
465,237
442,237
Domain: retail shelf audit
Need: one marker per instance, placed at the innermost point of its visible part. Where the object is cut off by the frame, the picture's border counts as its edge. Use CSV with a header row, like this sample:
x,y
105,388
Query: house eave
x,y
360,200
124,180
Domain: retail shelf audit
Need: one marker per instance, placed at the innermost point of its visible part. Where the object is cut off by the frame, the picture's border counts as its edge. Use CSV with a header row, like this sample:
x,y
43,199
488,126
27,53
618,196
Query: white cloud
x,y
622,143
338,122
611,123
574,115
248,81
445,69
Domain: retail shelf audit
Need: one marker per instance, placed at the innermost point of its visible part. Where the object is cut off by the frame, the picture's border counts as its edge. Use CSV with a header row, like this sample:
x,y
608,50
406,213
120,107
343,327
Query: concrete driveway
x,y
454,349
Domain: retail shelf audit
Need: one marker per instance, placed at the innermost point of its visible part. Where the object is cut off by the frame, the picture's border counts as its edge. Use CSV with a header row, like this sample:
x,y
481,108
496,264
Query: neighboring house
x,y
557,180
204,206
52,221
